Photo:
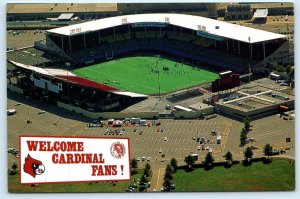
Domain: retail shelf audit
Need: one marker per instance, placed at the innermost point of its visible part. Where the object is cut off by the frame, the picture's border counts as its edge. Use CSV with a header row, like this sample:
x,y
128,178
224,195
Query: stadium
x,y
185,81
112,63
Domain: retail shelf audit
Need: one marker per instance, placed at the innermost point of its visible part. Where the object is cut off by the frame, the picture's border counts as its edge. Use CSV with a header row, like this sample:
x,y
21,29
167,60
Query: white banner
x,y
73,159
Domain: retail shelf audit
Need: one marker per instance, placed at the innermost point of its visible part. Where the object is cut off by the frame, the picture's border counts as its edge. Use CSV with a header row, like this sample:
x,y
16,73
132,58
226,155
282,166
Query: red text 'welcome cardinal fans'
x,y
73,159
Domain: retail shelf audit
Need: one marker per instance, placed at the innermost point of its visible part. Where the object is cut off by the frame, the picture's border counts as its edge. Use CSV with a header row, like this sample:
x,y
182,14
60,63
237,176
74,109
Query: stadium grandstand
x,y
196,40
217,43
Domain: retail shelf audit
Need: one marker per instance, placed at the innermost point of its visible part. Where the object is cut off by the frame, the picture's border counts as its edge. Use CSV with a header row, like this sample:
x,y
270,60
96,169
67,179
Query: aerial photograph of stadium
x,y
204,92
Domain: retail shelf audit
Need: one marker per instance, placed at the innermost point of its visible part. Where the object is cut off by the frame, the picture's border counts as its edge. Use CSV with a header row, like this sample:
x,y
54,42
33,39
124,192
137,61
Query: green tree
x,y
209,159
134,166
247,124
228,157
174,164
288,69
190,161
147,166
268,150
243,137
14,167
147,170
248,153
168,175
134,163
291,74
280,69
144,179
169,168
167,183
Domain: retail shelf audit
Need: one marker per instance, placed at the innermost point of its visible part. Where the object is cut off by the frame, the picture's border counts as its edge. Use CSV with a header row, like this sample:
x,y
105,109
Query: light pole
x,y
28,117
68,85
158,84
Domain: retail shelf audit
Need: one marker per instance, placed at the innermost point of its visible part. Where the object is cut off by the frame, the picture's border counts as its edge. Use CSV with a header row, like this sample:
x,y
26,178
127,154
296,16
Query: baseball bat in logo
x,y
118,150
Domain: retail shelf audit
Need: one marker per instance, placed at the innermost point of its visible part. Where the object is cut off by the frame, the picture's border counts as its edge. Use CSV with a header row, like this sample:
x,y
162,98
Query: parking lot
x,y
172,138
276,135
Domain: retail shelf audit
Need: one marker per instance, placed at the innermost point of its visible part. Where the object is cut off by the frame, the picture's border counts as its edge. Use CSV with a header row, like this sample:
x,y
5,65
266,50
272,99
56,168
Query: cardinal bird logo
x,y
117,150
33,166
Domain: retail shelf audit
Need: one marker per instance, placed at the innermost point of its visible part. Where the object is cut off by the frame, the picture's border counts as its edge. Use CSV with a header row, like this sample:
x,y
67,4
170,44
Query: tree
x,y
268,150
189,160
174,164
291,74
209,159
280,69
147,170
243,137
14,166
228,158
14,169
134,163
167,183
144,179
248,153
247,124
134,166
168,175
169,168
147,166
288,69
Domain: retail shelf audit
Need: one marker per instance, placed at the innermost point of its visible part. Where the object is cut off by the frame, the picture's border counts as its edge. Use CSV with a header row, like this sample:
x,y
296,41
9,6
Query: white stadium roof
x,y
45,71
211,26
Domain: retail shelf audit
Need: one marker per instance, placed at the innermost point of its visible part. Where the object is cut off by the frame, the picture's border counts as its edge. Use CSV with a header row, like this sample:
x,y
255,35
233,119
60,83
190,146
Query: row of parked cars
x,y
114,132
131,187
143,158
134,186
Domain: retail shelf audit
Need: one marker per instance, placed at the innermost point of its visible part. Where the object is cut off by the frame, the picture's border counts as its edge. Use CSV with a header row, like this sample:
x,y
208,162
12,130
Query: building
x,y
194,39
238,12
23,11
260,16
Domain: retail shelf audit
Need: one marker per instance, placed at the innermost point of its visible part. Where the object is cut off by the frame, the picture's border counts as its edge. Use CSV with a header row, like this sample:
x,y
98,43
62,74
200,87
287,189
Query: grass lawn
x,y
139,74
276,176
15,187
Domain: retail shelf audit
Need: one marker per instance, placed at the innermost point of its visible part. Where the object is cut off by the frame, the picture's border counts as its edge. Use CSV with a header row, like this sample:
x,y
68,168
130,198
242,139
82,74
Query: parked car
x,y
11,111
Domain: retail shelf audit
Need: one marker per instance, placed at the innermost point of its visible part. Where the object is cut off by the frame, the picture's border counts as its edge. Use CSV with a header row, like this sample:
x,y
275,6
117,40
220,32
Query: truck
x,y
143,122
135,120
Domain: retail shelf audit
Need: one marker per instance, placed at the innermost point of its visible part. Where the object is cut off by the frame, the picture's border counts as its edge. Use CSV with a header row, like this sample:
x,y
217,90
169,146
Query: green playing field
x,y
146,75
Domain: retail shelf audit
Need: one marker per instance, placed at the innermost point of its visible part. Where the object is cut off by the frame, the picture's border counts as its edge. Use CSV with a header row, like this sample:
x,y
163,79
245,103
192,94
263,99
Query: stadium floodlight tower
x,y
158,84
250,56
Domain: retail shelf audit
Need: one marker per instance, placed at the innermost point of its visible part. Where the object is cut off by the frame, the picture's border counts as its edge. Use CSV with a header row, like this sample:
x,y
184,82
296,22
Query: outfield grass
x,y
276,176
104,187
139,74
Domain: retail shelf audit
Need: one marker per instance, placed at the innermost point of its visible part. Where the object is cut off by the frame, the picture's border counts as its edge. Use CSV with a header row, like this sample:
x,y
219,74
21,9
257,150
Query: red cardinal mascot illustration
x,y
33,166
117,150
